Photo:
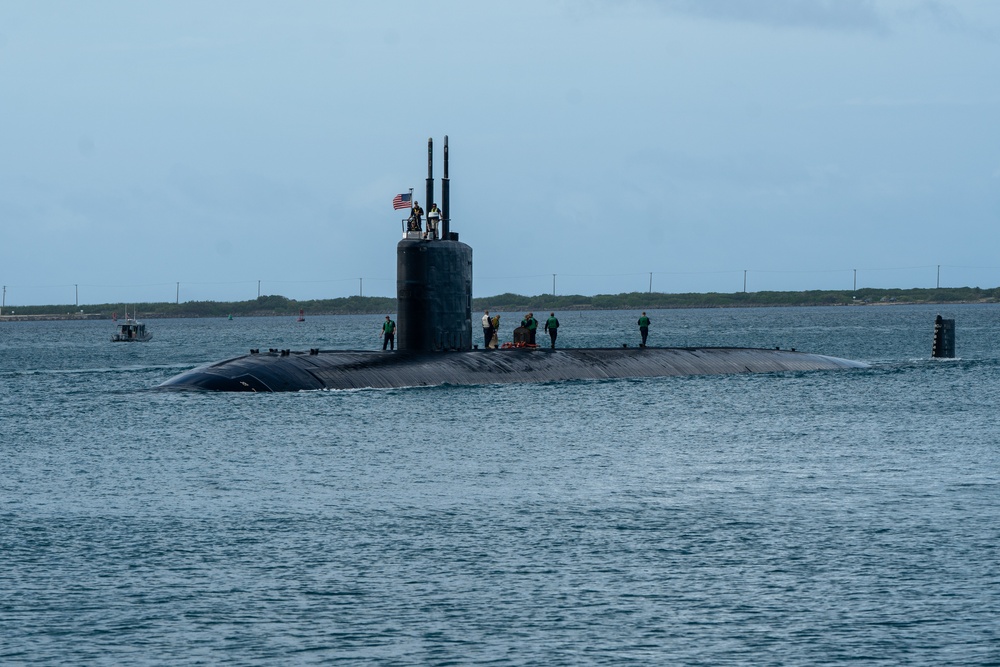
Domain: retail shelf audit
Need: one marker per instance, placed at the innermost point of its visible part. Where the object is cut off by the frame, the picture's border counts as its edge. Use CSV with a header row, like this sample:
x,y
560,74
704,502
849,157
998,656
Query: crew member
x,y
532,328
487,322
416,215
551,325
495,342
389,334
433,217
643,328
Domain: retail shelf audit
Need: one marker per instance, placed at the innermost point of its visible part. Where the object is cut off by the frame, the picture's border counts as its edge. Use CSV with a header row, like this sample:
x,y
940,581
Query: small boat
x,y
131,331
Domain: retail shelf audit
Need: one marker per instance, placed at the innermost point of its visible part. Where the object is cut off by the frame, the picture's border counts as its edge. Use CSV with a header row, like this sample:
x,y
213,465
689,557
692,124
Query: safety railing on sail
x,y
411,228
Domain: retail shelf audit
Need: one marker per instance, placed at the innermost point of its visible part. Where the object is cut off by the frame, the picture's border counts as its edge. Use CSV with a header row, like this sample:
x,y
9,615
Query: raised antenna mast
x,y
429,199
445,196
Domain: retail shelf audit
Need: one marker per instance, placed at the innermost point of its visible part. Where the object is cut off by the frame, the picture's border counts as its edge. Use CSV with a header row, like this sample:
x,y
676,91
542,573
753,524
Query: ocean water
x,y
791,519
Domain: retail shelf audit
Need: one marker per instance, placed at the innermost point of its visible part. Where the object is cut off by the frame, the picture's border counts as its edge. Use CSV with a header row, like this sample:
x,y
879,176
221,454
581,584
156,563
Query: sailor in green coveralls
x,y
532,325
389,334
551,325
643,328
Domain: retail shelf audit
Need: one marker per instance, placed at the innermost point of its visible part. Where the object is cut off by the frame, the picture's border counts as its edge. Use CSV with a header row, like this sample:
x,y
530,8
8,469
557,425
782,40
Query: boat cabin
x,y
131,331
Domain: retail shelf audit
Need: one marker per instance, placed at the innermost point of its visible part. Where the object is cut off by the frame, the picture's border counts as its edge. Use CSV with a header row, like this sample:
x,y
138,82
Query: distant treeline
x,y
358,305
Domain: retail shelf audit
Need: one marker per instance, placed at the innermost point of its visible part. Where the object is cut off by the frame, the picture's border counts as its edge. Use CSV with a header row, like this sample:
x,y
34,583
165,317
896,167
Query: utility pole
x,y
650,282
553,284
744,281
361,286
77,288
258,289
178,297
939,277
855,280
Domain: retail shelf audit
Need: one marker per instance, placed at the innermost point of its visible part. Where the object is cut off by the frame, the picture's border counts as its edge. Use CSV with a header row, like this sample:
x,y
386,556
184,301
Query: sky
x,y
199,151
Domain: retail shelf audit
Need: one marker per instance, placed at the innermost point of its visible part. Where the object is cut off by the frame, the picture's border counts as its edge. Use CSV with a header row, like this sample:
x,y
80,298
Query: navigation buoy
x,y
302,317
944,339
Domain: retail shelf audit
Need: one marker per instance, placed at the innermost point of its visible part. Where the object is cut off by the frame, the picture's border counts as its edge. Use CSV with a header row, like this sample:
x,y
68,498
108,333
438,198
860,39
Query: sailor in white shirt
x,y
487,329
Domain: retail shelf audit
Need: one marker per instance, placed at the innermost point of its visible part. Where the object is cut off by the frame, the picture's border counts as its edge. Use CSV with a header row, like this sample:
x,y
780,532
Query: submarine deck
x,y
356,369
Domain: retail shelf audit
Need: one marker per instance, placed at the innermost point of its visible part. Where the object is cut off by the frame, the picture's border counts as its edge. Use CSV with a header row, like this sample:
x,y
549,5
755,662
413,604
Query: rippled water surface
x,y
814,518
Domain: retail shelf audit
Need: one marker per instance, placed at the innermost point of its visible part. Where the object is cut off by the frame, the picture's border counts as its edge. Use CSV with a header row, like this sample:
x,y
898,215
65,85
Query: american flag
x,y
401,201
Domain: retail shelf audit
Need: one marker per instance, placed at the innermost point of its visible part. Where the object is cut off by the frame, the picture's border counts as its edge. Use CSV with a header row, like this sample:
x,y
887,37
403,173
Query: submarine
x,y
434,339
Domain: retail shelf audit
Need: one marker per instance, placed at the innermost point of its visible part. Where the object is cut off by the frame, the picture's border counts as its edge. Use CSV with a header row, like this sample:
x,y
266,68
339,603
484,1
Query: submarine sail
x,y
434,284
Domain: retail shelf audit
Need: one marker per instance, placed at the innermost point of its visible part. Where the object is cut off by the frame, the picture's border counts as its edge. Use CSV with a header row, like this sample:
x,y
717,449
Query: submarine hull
x,y
349,369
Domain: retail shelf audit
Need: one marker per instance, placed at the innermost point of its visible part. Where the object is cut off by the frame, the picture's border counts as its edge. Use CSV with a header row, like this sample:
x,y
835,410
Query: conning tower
x,y
434,280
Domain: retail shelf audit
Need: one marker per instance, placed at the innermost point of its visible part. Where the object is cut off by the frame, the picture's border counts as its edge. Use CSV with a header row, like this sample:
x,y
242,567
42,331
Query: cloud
x,y
948,18
896,102
871,16
844,15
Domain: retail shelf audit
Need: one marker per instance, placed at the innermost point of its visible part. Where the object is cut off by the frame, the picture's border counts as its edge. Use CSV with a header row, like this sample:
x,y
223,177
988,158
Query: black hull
x,y
347,369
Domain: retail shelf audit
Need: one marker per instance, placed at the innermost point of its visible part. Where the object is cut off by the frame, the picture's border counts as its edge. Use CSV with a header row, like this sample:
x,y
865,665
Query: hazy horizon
x,y
215,146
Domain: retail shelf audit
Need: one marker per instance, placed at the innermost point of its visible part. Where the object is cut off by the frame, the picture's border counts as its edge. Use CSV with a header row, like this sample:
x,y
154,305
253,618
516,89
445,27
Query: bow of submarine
x,y
253,372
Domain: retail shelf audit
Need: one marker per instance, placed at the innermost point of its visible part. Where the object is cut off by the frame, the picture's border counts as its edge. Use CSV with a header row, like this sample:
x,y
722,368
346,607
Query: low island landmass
x,y
279,306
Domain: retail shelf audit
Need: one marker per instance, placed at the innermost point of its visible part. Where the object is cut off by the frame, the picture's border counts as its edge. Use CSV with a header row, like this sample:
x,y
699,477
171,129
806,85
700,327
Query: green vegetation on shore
x,y
281,306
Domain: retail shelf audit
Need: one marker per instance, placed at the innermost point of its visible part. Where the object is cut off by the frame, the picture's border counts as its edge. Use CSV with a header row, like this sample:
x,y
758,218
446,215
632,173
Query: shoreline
x,y
53,317
58,317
